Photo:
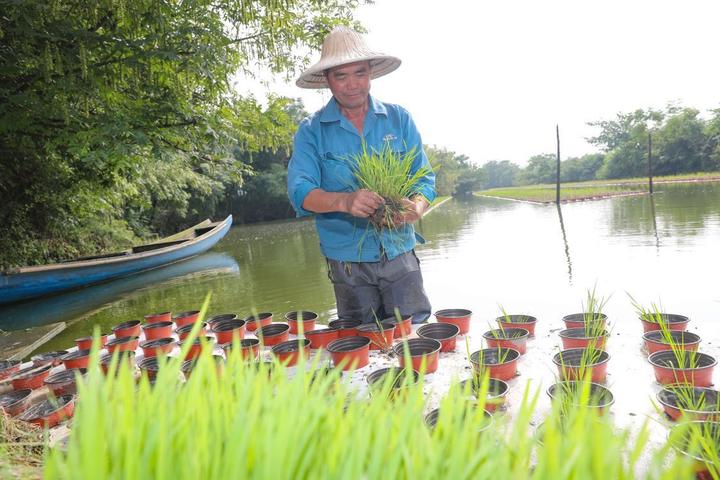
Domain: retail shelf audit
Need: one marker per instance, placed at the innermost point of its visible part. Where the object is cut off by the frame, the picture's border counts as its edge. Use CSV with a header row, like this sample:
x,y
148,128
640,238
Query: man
x,y
373,272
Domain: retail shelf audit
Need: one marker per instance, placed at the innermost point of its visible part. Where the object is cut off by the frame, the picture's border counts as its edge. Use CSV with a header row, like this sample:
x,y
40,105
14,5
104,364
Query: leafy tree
x,y
454,174
581,168
540,169
500,173
680,143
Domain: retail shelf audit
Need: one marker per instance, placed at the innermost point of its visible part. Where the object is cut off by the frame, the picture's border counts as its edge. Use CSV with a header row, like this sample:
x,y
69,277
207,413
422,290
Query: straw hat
x,y
343,46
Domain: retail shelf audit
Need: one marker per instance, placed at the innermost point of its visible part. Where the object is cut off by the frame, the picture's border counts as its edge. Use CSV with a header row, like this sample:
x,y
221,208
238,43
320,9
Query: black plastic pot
x,y
347,344
438,331
600,397
150,365
306,316
496,392
221,318
417,346
63,383
14,403
291,346
675,405
272,330
343,324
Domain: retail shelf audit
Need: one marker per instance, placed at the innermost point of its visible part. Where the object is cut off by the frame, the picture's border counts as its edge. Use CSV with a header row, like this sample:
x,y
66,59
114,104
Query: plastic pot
x,y
672,320
345,328
569,365
307,319
64,383
515,338
228,330
682,441
350,353
656,342
397,377
131,328
186,318
196,347
669,371
496,394
76,359
8,368
431,419
184,332
122,344
321,337
150,365
676,405
500,363
518,321
249,349
253,323
578,320
122,356
445,333
273,334
577,338
403,327
600,399
30,377
220,318
48,358
424,353
158,317
16,402
457,316
152,348
85,343
50,412
188,366
381,336
157,330
288,353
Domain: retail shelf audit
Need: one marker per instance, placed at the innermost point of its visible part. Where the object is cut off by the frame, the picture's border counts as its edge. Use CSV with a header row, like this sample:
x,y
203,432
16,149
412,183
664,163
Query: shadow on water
x,y
567,247
73,304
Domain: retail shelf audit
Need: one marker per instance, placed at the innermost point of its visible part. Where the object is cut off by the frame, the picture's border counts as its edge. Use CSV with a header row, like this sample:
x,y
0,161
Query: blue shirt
x,y
322,158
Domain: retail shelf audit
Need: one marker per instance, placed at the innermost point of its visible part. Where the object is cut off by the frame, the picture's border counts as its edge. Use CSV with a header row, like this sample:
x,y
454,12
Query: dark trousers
x,y
365,290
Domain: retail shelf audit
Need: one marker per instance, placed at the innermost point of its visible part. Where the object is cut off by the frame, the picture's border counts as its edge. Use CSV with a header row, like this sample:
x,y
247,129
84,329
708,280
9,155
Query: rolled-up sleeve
x,y
303,169
426,185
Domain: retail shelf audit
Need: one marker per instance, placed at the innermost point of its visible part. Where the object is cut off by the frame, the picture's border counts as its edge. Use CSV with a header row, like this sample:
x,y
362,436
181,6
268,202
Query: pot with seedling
x,y
457,316
527,322
683,366
579,320
693,403
381,334
422,353
580,363
654,319
391,381
495,393
515,338
587,328
500,363
107,359
574,394
699,440
657,340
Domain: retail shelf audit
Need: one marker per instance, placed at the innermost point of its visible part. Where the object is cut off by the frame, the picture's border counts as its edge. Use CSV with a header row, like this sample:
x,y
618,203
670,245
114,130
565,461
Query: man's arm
x,y
361,203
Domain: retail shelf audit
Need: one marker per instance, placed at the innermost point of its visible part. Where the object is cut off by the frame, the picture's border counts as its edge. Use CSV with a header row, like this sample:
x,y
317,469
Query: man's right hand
x,y
362,203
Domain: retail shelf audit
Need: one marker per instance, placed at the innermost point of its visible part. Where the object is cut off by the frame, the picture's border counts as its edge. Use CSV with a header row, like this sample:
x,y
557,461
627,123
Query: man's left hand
x,y
413,210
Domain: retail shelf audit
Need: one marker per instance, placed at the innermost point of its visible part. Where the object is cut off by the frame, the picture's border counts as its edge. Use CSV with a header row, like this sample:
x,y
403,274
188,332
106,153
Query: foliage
x,y
455,175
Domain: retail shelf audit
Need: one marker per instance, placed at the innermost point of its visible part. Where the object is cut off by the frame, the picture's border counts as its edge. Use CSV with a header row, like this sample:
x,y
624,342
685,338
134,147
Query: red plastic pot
x,y
31,377
575,338
197,347
253,323
568,365
76,359
673,321
249,349
152,348
220,318
686,442
424,354
184,332
150,366
186,318
457,316
514,338
398,378
126,356
122,344
321,337
669,371
64,382
130,328
500,363
578,320
403,328
155,330
346,328
307,319
85,343
672,403
8,368
48,358
518,321
189,365
16,402
271,335
158,317
381,337
228,330
655,341
50,412
496,395
600,399
445,333
288,353
350,353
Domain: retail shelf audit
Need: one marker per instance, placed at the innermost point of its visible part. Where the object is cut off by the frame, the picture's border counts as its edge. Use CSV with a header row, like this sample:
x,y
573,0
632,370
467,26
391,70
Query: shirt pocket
x,y
337,173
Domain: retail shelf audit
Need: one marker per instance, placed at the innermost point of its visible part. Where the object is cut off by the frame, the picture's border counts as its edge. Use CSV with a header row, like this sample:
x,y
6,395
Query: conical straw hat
x,y
343,46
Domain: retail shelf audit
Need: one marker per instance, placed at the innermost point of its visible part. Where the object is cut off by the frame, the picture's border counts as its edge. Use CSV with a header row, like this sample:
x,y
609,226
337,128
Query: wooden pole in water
x,y
557,178
650,184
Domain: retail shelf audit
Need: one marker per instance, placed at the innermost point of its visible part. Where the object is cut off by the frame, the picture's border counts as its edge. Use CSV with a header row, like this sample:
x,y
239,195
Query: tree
x,y
680,142
500,173
454,174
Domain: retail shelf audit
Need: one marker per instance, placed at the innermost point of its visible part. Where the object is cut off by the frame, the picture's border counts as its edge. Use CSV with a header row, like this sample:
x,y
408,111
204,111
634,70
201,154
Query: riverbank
x,y
593,190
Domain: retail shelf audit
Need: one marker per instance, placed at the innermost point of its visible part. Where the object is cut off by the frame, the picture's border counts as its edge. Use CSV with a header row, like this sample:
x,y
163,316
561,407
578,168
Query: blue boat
x,y
31,282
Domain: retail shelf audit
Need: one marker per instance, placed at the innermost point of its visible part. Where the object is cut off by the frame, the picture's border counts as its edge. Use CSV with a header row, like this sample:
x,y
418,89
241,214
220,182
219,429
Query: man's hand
x,y
413,210
362,203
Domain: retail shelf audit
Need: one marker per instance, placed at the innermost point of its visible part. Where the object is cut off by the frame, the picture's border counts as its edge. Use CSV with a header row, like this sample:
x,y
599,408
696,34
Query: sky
x,y
491,79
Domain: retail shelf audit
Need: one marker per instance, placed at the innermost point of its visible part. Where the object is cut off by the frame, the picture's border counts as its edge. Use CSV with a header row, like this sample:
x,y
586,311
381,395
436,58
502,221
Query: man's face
x,y
350,84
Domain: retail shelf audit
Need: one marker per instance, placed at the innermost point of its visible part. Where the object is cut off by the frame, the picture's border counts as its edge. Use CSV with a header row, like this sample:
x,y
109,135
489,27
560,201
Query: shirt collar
x,y
331,112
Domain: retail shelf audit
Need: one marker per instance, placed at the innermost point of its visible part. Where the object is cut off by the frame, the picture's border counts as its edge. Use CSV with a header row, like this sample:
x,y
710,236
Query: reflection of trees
x,y
446,222
676,206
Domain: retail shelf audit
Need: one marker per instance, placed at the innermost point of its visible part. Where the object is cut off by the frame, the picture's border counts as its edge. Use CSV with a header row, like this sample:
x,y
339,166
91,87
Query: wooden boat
x,y
31,282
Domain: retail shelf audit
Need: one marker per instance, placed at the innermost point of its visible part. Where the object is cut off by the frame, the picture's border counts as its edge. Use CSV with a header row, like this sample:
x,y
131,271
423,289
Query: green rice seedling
x,y
593,315
684,358
389,174
699,442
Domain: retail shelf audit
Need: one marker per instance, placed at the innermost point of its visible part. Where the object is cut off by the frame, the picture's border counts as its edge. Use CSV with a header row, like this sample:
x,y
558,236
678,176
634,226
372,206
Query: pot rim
x,y
434,414
682,333
668,317
16,396
566,334
258,318
281,328
654,356
291,346
668,388
344,323
121,341
515,319
157,342
601,361
125,325
378,375
162,324
361,342
222,325
435,346
489,336
321,331
610,402
453,313
186,313
373,327
64,376
31,372
513,353
60,402
503,384
106,358
292,316
75,355
580,317
428,328
52,355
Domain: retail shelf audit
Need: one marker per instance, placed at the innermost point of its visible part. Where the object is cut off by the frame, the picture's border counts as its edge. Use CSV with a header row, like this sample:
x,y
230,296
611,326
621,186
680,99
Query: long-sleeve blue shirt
x,y
322,158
